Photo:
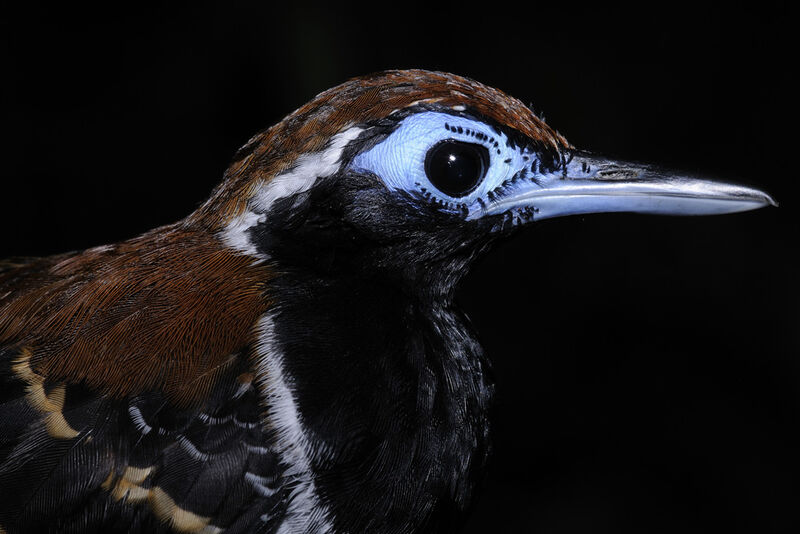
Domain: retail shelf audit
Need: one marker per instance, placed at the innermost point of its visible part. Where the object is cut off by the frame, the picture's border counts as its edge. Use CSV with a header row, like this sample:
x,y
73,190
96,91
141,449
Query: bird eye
x,y
455,167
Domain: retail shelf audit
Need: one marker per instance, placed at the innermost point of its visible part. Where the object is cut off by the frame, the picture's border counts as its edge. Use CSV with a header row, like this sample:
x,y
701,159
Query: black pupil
x,y
456,168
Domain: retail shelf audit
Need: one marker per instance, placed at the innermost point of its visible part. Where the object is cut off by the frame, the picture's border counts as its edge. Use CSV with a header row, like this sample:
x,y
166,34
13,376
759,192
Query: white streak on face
x,y
236,235
305,513
304,172
299,178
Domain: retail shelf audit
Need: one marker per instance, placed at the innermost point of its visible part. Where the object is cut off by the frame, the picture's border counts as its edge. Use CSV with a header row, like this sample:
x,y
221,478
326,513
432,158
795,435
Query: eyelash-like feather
x,y
398,158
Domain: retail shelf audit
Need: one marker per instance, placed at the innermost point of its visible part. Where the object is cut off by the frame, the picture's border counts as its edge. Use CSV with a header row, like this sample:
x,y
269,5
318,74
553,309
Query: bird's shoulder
x,y
127,396
159,311
75,460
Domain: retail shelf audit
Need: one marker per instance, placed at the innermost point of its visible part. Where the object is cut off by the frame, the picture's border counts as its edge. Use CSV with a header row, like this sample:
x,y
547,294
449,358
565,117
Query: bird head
x,y
411,174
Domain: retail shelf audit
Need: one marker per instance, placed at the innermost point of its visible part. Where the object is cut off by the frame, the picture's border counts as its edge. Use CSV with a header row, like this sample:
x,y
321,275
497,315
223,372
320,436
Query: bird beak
x,y
590,184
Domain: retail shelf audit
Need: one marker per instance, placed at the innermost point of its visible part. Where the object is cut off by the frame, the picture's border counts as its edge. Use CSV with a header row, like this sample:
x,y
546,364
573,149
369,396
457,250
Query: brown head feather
x,y
356,101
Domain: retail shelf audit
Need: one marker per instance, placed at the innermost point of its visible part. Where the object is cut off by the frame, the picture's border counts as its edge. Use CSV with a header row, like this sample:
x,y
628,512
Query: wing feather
x,y
126,400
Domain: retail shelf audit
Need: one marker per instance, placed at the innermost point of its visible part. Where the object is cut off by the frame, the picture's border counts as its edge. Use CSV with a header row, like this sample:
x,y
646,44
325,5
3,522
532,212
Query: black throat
x,y
390,384
393,393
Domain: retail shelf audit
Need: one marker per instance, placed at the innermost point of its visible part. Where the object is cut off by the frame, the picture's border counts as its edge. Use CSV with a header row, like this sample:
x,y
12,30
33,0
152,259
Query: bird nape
x,y
288,358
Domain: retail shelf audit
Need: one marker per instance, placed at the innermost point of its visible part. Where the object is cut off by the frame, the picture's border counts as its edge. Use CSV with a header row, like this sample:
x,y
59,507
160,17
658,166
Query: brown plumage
x,y
308,128
165,310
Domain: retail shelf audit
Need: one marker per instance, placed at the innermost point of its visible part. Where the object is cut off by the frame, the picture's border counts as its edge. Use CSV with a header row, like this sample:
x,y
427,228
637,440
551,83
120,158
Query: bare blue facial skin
x,y
516,181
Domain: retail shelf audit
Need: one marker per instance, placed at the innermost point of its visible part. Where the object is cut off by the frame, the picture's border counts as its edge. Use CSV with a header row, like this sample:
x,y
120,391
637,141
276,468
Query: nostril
x,y
616,173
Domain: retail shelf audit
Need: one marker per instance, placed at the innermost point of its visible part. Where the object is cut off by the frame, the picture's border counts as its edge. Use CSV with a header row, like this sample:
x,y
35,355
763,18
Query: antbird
x,y
288,357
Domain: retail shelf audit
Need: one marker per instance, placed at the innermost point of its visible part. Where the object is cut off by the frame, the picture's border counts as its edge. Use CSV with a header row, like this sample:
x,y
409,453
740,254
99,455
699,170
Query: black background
x,y
647,366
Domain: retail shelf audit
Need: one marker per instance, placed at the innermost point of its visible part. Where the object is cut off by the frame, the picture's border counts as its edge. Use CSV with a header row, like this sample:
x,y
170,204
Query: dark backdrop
x,y
647,366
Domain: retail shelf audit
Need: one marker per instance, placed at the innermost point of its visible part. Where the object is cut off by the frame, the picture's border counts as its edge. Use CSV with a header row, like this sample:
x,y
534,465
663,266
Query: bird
x,y
289,358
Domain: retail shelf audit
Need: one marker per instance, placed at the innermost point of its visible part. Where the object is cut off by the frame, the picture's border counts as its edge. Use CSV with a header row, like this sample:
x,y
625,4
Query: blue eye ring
x,y
403,161
455,167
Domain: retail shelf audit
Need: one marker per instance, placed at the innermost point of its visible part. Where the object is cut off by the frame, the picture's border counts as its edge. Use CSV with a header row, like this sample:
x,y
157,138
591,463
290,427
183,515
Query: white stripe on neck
x,y
302,175
305,513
